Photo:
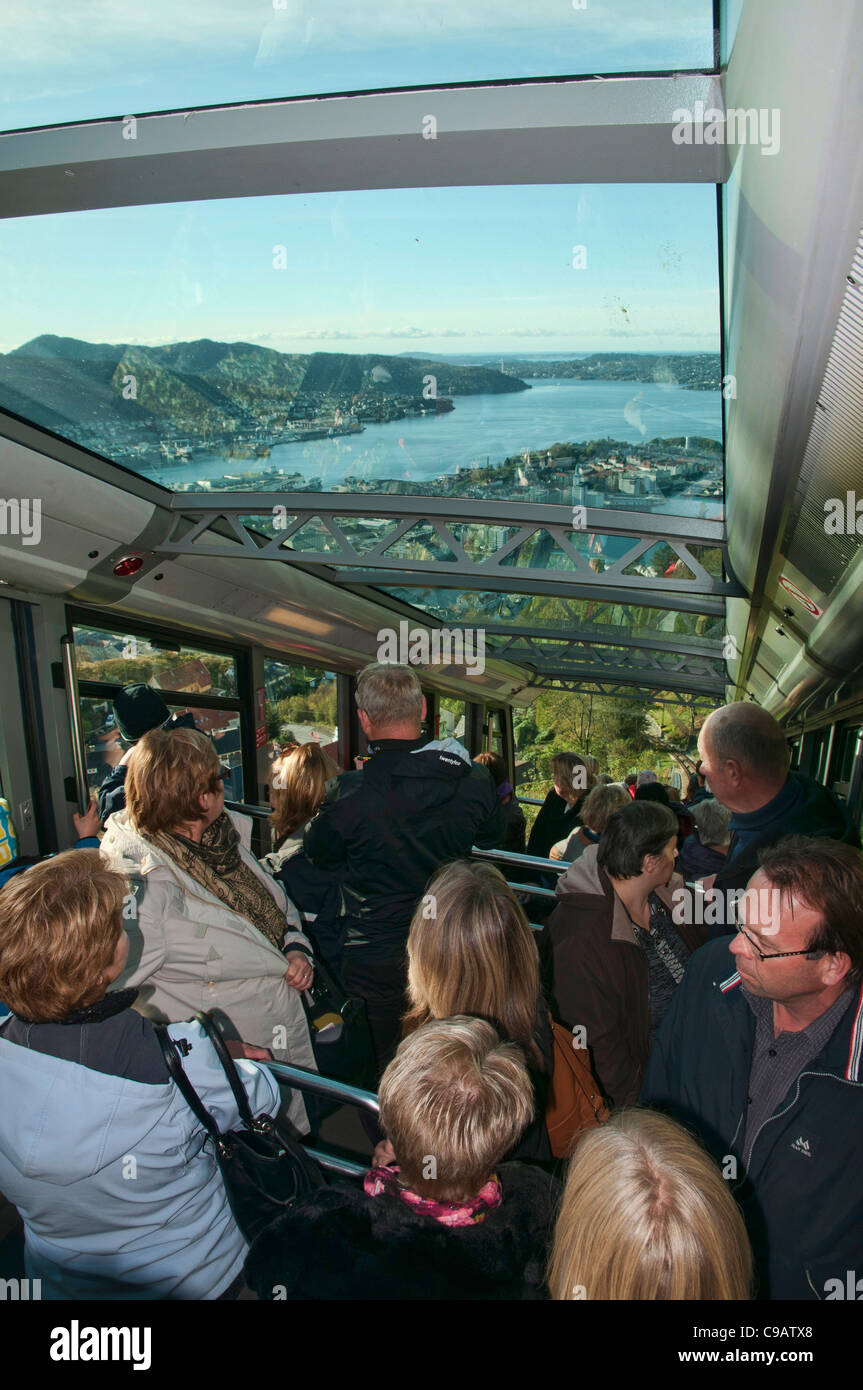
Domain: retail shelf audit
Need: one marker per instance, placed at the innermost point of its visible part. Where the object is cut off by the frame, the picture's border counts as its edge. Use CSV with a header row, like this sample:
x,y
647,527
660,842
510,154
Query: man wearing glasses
x,y
762,1055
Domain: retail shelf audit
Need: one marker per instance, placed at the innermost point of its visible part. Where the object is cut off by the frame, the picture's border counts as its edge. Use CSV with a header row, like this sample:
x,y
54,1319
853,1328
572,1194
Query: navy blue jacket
x,y
809,810
802,1197
112,793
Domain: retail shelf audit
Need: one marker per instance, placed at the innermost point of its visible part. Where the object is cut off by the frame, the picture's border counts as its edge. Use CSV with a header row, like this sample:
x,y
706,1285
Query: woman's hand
x,y
89,824
384,1154
301,972
554,852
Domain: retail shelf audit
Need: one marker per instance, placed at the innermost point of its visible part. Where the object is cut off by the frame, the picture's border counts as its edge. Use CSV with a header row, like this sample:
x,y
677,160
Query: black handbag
x,y
263,1167
339,1029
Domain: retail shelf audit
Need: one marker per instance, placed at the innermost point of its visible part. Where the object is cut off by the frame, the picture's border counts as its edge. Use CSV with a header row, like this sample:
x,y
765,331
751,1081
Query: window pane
x,y
453,718
223,727
437,341
105,747
71,62
102,742
587,617
168,666
301,706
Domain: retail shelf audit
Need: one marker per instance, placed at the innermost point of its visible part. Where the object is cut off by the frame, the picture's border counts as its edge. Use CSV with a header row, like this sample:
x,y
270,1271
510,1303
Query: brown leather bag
x,y
575,1102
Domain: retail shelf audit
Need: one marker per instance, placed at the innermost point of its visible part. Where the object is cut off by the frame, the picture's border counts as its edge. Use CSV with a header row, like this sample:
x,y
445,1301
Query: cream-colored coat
x,y
189,951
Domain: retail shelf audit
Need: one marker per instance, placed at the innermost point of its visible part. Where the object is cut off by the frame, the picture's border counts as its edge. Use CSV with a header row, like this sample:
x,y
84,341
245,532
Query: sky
x,y
71,60
495,269
404,270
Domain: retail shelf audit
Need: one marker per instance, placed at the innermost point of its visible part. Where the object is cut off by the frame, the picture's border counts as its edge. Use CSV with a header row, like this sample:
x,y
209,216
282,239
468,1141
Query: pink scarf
x,y
489,1198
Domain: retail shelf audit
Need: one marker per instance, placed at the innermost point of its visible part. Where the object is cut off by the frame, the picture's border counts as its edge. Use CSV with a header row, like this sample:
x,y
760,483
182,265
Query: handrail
x,y
76,730
337,1164
246,808
530,800
521,861
532,889
302,1079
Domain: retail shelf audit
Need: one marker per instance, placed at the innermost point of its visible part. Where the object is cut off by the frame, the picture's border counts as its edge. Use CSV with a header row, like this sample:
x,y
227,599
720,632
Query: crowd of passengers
x,y
707,954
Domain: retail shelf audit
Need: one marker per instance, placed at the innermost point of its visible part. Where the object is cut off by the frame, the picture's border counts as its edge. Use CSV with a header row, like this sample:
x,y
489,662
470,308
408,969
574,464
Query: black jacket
x,y
412,808
516,828
554,822
112,793
339,1243
810,810
801,1198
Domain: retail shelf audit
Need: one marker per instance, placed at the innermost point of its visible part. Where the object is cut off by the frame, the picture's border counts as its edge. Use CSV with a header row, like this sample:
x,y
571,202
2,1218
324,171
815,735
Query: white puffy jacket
x,y
189,951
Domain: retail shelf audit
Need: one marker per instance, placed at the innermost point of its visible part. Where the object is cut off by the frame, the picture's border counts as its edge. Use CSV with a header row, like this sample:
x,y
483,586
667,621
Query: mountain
x,y
205,388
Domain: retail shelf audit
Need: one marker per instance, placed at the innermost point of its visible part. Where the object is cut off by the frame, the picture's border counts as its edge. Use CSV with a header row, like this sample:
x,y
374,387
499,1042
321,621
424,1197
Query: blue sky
x,y
70,60
456,270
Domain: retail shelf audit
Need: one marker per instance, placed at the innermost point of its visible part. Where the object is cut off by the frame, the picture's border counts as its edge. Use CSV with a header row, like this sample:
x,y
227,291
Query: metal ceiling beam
x,y
519,581
551,550
654,695
595,660
582,130
603,635
709,686
601,521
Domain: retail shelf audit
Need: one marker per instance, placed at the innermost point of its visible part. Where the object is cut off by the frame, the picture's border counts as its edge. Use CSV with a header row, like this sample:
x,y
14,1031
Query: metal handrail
x,y
521,861
532,889
76,730
336,1164
302,1079
530,800
246,808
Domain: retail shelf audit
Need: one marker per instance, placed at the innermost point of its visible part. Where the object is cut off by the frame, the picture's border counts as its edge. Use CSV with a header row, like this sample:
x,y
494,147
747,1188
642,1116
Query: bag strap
x,y
184,1085
213,1032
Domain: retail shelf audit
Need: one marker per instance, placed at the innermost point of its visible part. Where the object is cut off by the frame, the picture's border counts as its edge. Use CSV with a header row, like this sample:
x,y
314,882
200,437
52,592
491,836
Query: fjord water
x,y
489,429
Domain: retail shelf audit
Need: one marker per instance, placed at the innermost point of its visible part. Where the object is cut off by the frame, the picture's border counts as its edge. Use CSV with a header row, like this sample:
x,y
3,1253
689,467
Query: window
x,y
75,63
300,706
452,718
554,344
122,658
107,660
494,732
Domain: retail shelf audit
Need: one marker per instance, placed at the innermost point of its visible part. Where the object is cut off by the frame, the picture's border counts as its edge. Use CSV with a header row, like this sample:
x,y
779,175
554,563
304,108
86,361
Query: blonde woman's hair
x,y
453,1101
601,804
299,786
647,1215
389,694
60,923
471,951
169,771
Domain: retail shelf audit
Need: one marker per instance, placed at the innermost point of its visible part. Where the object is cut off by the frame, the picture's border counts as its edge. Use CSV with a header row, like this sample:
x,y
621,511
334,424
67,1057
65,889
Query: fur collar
x,y
338,1243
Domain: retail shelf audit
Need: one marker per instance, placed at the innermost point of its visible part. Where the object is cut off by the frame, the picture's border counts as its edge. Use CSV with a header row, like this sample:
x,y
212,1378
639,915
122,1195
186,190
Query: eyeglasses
x,y
775,955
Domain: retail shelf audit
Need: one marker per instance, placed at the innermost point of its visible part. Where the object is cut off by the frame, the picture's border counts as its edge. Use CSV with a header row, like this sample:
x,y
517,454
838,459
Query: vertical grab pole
x,y
70,676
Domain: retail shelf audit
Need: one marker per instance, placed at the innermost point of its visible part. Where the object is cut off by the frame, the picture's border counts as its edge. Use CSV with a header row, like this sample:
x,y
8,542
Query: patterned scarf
x,y
489,1198
217,865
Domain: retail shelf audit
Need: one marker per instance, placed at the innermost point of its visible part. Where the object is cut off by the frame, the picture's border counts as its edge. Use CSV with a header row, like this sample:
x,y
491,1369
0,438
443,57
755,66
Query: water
x,y
490,428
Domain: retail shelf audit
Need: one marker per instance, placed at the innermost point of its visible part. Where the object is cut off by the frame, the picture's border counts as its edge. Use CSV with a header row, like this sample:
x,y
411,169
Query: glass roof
x,y
558,344
97,58
585,617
